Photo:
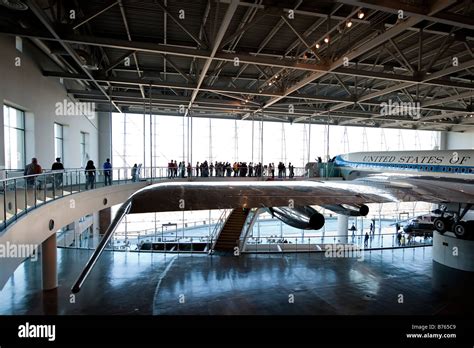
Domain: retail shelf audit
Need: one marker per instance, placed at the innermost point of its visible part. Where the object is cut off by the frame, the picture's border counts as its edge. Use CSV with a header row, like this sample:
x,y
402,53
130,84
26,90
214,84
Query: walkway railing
x,y
21,194
199,244
319,243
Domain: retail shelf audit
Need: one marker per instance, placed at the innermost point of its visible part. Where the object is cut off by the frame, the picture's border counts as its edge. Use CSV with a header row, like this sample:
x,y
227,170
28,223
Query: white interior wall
x,y
26,88
456,141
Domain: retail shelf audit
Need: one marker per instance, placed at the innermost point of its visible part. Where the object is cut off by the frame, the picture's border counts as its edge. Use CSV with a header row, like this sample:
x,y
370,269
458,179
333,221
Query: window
x,y
84,145
59,141
14,131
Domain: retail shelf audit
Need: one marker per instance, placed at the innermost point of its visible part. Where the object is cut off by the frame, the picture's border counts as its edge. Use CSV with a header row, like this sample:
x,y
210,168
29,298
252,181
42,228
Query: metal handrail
x,y
148,231
266,244
41,188
304,242
220,222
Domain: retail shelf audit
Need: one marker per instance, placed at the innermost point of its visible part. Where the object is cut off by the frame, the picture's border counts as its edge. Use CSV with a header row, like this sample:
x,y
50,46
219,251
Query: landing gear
x,y
461,229
441,224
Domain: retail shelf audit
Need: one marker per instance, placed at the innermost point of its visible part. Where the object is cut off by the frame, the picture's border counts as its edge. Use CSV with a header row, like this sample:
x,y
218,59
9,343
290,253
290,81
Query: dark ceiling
x,y
261,59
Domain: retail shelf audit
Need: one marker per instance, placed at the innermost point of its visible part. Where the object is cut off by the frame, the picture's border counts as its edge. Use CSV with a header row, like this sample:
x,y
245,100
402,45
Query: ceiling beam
x,y
455,97
364,48
221,90
86,20
217,42
38,12
286,63
180,24
451,19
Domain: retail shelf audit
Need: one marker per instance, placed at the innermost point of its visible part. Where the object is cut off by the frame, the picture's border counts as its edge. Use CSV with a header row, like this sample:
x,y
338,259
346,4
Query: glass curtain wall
x,y
155,142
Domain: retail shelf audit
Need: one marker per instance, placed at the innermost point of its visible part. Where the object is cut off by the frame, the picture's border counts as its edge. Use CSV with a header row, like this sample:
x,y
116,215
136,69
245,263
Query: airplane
x,y
440,177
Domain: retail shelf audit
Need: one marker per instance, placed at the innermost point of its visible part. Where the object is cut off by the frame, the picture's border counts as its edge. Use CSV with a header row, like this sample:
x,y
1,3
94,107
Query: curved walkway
x,y
39,224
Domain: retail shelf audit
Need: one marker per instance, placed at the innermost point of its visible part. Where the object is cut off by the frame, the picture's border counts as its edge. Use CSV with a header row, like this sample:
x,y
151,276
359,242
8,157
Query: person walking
x,y
58,167
107,166
90,174
32,170
366,239
399,238
353,229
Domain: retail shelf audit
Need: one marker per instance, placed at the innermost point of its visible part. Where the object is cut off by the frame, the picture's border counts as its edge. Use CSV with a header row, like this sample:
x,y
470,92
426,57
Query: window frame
x,y
8,128
59,138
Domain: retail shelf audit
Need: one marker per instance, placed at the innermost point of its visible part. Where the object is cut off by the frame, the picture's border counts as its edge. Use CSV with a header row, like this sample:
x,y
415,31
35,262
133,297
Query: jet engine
x,y
348,209
305,217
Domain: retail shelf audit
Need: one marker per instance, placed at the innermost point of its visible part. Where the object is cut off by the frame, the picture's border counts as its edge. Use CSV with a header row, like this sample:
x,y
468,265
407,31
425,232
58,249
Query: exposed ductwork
x,y
349,210
305,218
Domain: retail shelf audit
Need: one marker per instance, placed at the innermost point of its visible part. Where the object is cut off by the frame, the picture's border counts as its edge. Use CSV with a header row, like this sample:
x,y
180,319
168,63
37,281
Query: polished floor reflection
x,y
385,282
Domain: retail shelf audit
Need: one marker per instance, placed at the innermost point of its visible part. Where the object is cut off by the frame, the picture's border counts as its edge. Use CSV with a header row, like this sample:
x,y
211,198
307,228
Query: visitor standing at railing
x,y
211,169
182,169
32,169
175,169
90,174
135,173
190,170
170,169
59,168
292,170
107,172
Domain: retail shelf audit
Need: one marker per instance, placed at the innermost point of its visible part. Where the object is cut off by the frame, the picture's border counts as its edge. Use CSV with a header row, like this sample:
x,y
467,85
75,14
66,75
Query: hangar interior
x,y
228,88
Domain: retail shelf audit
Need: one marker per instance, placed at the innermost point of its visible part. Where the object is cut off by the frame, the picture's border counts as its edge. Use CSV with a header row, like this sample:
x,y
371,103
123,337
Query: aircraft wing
x,y
407,188
380,188
195,195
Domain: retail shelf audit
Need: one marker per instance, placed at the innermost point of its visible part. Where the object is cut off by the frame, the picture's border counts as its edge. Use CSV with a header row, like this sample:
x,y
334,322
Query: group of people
x,y
91,174
34,169
367,235
403,240
221,169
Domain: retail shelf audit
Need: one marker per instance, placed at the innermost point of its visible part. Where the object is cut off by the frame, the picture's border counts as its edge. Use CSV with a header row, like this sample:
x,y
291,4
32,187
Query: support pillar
x,y
443,140
105,136
49,263
105,219
342,228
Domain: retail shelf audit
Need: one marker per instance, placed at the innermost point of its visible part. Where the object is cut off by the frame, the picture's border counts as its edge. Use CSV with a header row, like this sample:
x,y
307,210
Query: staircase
x,y
229,236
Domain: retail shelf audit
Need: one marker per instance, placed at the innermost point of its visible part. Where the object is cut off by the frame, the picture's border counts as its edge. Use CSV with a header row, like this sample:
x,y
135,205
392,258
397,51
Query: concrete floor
x,y
309,284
